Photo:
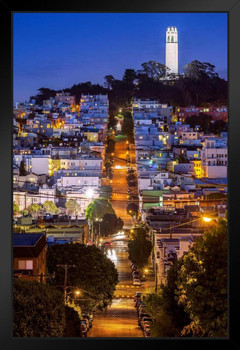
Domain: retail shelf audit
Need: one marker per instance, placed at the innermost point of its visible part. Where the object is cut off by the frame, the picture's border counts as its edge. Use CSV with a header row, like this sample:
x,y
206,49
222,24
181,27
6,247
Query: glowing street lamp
x,y
77,292
206,219
89,193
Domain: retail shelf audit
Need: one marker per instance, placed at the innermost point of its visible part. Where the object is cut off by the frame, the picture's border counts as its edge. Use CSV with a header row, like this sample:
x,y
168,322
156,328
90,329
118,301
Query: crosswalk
x,y
126,286
123,296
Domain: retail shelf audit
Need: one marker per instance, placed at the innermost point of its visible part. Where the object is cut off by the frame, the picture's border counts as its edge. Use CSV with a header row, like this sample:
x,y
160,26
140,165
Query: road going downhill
x,y
119,184
120,319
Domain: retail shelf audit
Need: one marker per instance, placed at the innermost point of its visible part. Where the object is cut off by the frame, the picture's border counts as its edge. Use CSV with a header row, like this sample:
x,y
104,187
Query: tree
x,y
155,70
129,77
200,70
72,207
22,169
163,323
34,209
169,316
202,284
93,271
139,245
203,120
50,207
106,190
182,159
44,94
131,177
110,224
97,209
109,81
38,310
112,122
72,328
218,126
110,145
16,209
108,166
128,126
132,209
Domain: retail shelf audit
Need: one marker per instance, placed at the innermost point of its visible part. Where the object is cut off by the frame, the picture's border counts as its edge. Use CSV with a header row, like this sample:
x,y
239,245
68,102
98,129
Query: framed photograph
x,y
119,151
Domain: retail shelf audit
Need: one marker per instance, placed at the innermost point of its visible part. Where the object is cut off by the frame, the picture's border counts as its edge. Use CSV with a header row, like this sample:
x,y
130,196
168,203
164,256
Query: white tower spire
x,y
172,49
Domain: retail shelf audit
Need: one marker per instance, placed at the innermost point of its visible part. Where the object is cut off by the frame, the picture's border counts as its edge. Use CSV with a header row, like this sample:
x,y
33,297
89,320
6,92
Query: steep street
x,y
119,184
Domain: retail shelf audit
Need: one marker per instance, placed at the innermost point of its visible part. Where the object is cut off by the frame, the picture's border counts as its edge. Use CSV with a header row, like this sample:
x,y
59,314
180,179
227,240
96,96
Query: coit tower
x,y
172,49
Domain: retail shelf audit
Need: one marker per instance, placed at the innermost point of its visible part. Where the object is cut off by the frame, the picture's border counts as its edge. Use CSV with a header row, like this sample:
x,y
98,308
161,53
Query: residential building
x,y
29,256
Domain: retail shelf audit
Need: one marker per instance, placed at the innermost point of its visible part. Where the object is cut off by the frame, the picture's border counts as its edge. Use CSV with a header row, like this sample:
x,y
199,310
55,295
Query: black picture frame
x,y
232,7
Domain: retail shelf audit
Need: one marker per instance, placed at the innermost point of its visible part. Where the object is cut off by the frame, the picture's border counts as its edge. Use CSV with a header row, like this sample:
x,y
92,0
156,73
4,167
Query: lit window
x,y
25,264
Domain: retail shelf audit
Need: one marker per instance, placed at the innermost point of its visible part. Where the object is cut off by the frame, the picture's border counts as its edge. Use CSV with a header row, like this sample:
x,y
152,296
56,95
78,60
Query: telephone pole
x,y
66,267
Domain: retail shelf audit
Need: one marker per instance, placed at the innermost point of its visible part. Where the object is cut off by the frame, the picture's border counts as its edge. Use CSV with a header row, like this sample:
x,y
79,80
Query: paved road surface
x,y
120,319
119,183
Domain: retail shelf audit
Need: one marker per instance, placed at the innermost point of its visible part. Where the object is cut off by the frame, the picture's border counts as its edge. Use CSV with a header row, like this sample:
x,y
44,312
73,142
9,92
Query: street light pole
x,y
66,267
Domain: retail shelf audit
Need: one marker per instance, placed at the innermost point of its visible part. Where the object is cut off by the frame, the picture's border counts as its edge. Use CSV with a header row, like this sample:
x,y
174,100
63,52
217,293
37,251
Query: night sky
x,y
57,50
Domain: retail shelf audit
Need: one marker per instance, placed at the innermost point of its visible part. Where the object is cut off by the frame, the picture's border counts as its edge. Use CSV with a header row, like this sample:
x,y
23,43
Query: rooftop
x,y
26,239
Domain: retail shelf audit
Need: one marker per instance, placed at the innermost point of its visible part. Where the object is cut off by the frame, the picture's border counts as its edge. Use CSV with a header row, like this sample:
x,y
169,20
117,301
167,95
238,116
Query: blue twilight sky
x,y
57,50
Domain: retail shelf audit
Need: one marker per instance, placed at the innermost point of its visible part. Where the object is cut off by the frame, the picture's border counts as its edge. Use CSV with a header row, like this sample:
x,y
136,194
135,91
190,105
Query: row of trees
x,y
194,301
128,126
36,209
72,207
200,85
110,145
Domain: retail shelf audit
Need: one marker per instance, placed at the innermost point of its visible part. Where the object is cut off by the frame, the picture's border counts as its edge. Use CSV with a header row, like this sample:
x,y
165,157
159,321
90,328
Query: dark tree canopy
x,y
203,120
93,271
22,169
38,310
111,224
139,245
132,208
203,284
72,328
199,86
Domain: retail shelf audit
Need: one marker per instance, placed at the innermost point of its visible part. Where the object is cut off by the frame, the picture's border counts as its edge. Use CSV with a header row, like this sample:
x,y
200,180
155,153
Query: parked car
x,y
136,282
86,322
147,332
88,318
141,315
136,275
146,321
83,328
138,296
107,243
141,308
64,218
138,302
135,271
